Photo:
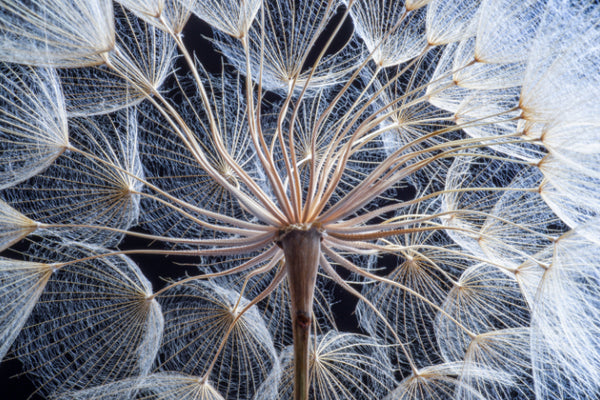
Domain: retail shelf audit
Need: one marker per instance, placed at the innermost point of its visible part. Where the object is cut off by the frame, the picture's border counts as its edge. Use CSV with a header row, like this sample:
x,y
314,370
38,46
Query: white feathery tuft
x,y
232,17
21,284
92,325
451,21
33,122
63,33
14,226
136,67
207,335
565,329
392,32
343,366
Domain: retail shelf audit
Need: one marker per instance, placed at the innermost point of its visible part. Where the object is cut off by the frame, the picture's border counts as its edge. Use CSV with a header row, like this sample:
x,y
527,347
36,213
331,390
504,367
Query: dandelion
x,y
435,160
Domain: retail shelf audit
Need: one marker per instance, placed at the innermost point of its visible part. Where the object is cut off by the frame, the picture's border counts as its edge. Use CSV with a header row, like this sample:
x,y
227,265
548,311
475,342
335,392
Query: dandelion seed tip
x,y
431,44
524,131
126,190
477,58
525,114
545,266
540,189
540,163
202,380
476,339
543,133
379,61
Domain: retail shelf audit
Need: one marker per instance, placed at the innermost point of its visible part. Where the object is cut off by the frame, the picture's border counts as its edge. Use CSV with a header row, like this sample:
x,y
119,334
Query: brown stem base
x,y
302,248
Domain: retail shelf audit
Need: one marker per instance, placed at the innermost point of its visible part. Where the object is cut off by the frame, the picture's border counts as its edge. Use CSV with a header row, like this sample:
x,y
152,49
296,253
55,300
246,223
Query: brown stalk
x,y
301,246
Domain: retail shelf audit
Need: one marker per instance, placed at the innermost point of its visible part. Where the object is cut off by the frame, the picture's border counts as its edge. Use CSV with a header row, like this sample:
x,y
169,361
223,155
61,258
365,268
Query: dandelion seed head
x,y
364,200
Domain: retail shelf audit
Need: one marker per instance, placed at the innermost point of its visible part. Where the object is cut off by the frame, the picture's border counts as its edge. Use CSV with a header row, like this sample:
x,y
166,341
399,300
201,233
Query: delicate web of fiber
x,y
168,15
393,33
139,63
33,122
342,366
441,167
82,189
92,325
64,33
14,226
286,47
275,308
565,326
21,284
441,382
429,272
158,386
233,17
484,299
201,328
451,21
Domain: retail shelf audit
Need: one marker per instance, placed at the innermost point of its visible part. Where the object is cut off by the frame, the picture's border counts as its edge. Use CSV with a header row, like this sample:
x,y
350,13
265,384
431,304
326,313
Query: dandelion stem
x,y
301,247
